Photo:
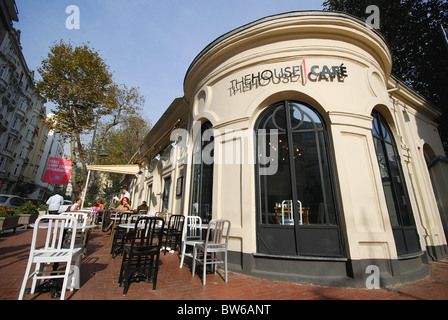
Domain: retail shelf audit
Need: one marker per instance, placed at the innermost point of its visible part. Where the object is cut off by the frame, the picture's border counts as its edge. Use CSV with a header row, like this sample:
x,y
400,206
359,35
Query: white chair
x,y
82,220
192,235
216,242
151,213
57,249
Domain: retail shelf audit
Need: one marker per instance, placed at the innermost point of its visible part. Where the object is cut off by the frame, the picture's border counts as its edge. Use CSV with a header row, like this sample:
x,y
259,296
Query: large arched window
x,y
395,191
296,210
202,174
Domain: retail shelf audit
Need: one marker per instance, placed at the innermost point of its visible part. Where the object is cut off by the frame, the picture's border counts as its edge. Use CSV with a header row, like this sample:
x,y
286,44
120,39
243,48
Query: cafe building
x,y
294,129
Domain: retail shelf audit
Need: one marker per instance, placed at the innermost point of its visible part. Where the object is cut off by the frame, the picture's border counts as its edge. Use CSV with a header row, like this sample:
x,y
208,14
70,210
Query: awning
x,y
124,169
132,169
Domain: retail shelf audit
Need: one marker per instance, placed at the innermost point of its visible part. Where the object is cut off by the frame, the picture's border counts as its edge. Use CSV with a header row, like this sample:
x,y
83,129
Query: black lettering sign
x,y
288,74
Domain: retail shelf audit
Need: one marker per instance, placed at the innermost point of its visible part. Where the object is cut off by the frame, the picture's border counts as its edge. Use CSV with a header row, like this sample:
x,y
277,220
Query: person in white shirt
x,y
54,203
77,205
125,192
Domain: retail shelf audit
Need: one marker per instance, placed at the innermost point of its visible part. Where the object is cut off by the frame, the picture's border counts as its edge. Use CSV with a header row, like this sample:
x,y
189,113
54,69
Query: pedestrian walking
x,y
55,202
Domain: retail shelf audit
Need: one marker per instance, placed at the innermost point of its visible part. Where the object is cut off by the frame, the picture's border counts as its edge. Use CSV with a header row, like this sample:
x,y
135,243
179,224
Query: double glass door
x,y
296,211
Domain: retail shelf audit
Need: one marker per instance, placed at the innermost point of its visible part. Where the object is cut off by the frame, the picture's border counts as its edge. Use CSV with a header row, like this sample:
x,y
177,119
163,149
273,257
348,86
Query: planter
x,y
7,223
42,213
27,219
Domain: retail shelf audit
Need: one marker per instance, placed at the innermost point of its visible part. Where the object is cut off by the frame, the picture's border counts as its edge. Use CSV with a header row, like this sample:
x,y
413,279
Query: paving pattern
x,y
99,280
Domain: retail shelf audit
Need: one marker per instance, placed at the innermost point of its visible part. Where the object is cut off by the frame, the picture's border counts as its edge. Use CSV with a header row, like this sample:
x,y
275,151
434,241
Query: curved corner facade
x,y
301,137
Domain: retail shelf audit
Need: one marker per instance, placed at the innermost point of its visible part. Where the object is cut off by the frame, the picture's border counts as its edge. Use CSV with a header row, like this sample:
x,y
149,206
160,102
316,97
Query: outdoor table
x,y
45,226
130,226
204,226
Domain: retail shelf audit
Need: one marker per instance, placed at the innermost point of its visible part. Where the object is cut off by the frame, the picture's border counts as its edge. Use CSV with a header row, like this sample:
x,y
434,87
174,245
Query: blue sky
x,y
147,44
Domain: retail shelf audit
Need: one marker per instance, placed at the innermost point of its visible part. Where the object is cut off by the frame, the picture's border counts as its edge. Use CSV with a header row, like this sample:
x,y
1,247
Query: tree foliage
x,y
120,142
77,81
123,141
81,87
412,29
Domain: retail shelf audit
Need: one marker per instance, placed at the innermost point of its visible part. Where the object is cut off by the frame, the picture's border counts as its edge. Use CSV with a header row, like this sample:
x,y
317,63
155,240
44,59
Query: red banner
x,y
58,171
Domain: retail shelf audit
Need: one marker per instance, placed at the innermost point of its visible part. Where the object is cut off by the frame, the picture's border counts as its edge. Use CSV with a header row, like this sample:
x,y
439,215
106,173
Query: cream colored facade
x,y
341,69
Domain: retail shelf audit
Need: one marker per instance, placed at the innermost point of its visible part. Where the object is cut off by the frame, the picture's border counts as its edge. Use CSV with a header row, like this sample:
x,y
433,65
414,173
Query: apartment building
x,y
23,135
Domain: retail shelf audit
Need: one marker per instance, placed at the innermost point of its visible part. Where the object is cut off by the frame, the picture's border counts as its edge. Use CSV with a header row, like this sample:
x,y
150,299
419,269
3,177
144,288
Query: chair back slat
x,y
55,227
193,229
148,232
176,222
215,232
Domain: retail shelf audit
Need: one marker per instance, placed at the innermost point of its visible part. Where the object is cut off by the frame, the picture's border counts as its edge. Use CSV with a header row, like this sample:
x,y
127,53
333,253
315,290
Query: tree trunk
x,y
75,186
78,184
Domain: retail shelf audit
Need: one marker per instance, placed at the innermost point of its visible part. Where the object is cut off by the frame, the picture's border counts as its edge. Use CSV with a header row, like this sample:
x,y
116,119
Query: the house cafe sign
x,y
288,74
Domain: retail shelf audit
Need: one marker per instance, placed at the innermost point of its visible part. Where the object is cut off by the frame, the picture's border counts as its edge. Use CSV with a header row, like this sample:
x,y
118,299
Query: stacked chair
x,y
59,249
141,254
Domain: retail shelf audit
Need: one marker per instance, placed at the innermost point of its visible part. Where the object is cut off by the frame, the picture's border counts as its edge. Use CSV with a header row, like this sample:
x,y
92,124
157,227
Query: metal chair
x,y
192,235
56,250
216,242
173,231
163,215
99,217
81,220
141,254
119,234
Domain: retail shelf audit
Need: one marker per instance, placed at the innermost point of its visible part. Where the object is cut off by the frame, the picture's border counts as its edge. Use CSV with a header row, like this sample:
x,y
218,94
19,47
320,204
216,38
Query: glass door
x,y
395,191
166,194
296,211
202,171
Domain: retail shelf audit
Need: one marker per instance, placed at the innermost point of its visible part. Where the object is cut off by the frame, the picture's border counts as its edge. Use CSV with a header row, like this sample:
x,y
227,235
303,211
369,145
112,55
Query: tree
x,y
120,142
412,31
78,82
123,141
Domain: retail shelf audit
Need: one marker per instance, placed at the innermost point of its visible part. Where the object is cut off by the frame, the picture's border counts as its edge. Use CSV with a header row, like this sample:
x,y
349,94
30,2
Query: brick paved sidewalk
x,y
99,280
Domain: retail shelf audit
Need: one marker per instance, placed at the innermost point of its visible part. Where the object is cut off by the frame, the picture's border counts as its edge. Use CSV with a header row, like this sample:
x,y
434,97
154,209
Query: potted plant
x,y
8,219
28,214
43,208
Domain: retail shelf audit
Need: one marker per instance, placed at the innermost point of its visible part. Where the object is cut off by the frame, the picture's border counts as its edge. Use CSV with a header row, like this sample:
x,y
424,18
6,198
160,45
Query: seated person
x,y
99,205
124,206
142,207
77,205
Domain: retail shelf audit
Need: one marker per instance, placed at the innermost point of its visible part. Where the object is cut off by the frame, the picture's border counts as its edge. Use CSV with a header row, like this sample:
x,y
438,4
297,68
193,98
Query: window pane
x,y
315,201
395,191
375,128
275,190
206,192
166,194
195,190
399,186
387,183
275,120
303,118
202,179
330,217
